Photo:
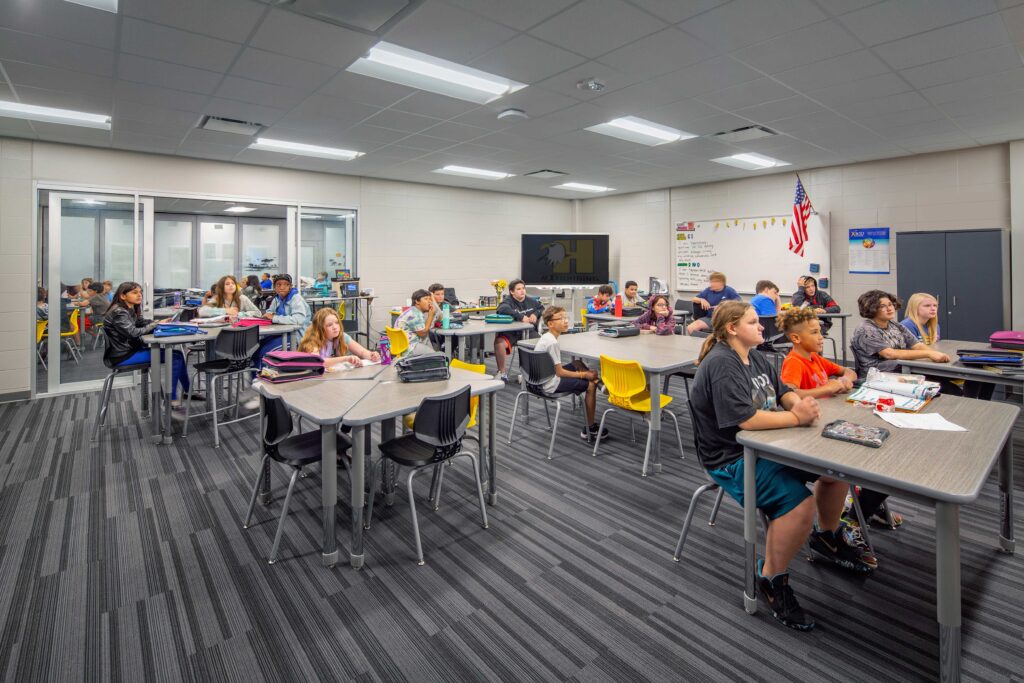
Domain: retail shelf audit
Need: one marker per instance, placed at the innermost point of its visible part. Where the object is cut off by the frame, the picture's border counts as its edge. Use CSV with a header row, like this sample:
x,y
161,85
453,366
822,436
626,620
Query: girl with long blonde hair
x,y
923,317
325,338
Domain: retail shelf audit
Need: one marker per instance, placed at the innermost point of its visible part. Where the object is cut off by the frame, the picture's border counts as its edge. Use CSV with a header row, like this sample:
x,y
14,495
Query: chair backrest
x,y
698,310
399,341
237,343
583,317
474,402
40,330
773,337
622,378
681,305
73,324
441,420
277,422
536,367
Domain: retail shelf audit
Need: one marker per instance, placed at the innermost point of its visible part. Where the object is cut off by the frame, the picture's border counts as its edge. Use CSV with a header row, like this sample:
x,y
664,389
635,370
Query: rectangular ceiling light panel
x,y
17,110
302,149
473,172
418,70
750,162
635,129
105,5
583,187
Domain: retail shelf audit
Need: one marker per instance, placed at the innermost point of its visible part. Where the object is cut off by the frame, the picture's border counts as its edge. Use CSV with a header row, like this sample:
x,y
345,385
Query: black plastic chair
x,y
436,438
536,368
234,348
296,452
774,339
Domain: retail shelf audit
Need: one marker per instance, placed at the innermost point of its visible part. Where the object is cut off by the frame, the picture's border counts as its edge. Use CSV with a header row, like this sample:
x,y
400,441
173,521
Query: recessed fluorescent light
x,y
582,187
105,5
418,70
307,217
473,172
89,202
17,110
635,129
239,209
270,145
750,161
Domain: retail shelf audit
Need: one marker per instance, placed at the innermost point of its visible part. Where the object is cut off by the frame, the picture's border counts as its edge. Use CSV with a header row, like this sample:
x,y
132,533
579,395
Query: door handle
x,y
954,301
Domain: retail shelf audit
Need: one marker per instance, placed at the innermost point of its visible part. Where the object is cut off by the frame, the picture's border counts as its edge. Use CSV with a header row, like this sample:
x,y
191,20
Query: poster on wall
x,y
869,250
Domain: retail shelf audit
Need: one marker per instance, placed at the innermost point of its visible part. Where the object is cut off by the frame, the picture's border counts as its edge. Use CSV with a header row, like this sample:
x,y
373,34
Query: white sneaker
x,y
252,403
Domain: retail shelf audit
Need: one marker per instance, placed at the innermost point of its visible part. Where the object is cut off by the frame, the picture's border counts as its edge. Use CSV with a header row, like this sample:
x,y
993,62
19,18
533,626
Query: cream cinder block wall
x,y
637,225
409,234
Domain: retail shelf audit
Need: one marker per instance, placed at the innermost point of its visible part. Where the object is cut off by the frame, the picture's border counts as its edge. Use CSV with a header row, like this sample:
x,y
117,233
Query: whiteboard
x,y
747,250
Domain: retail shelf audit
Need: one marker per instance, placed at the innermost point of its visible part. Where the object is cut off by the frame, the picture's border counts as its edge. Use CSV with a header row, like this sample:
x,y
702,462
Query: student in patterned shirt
x,y
881,342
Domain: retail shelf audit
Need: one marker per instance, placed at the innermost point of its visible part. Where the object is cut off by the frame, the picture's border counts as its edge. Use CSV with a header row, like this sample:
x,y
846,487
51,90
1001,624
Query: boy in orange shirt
x,y
808,374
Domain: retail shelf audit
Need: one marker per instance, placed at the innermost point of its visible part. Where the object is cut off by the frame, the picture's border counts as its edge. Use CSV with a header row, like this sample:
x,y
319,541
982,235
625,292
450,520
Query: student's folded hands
x,y
806,410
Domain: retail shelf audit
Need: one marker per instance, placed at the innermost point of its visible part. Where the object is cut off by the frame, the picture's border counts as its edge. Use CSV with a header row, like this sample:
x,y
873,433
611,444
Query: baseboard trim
x,y
15,396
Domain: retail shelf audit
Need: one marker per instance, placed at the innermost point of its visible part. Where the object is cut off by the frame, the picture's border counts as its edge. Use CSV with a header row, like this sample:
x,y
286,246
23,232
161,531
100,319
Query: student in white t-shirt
x,y
573,378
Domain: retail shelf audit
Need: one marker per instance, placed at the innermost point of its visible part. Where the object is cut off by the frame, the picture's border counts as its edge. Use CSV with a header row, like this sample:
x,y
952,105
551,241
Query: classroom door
x,y
974,285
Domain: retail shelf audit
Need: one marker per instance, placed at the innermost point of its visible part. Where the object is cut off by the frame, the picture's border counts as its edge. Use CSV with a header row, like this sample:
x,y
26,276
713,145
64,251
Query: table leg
x,y
358,476
449,348
652,455
155,406
947,588
1006,540
750,530
264,496
492,478
168,381
329,492
842,333
387,432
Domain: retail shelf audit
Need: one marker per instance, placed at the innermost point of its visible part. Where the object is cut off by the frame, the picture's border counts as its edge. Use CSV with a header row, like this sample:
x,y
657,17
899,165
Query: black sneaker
x,y
782,602
836,549
589,434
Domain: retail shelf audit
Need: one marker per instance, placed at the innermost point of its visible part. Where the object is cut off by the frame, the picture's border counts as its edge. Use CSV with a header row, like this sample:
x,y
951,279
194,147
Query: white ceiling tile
x,y
160,126
297,36
158,97
370,91
830,72
565,82
679,114
895,19
482,118
658,54
883,122
144,143
172,45
25,47
747,95
455,132
1014,20
595,27
780,109
527,60
806,45
979,63
165,74
433,105
230,20
201,150
57,79
399,120
257,92
864,89
674,11
471,150
521,14
535,102
797,125
260,65
714,74
372,135
60,19
331,112
16,128
838,7
423,143
884,105
173,120
966,108
961,38
915,131
448,32
73,134
743,22
979,87
511,141
716,123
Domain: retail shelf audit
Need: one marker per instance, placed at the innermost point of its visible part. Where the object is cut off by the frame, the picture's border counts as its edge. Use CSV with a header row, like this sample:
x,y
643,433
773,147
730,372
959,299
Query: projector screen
x,y
574,258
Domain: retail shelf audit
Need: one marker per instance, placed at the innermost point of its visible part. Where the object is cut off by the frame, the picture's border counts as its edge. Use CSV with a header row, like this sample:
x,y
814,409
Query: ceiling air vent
x,y
223,125
544,174
744,134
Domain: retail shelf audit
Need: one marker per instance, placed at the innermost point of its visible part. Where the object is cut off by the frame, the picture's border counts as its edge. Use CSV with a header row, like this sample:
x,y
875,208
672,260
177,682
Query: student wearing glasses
x,y
881,342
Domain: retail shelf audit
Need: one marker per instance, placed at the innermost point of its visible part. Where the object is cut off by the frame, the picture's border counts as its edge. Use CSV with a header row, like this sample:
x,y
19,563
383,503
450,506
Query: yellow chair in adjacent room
x,y
399,342
583,317
40,335
627,390
73,331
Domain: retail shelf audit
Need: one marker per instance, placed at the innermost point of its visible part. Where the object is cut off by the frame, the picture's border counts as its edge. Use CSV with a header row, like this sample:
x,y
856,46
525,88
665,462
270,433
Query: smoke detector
x,y
514,114
591,84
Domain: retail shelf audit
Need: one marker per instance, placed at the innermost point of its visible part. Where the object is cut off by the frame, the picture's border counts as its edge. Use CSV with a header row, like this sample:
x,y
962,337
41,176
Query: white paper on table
x,y
929,421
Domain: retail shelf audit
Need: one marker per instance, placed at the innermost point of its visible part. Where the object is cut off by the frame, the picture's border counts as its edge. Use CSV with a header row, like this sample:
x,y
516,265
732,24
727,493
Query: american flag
x,y
801,212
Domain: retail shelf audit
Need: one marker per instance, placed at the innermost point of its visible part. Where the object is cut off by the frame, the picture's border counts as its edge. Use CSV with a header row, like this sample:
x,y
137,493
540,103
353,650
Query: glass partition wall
x,y
167,245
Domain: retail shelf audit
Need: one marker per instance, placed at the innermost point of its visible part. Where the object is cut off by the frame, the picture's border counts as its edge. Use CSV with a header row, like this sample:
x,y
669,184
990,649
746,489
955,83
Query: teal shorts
x,y
780,488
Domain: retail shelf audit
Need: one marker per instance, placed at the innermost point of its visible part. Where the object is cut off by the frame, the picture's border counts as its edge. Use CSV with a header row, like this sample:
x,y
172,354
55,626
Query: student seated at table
x,y
417,321
437,300
83,294
630,296
657,318
880,342
108,290
322,284
42,307
522,308
766,302
228,301
325,338
98,304
715,293
124,328
208,295
266,282
601,303
287,308
252,288
737,388
816,299
923,322
807,373
575,377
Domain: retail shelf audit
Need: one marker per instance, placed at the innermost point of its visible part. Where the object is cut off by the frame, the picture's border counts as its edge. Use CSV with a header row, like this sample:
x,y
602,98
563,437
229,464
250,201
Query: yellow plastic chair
x,y
73,332
583,317
399,342
627,390
40,335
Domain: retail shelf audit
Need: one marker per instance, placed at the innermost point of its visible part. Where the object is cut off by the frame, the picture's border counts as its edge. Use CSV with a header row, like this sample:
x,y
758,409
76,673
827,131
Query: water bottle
x,y
384,349
446,316
618,305
177,299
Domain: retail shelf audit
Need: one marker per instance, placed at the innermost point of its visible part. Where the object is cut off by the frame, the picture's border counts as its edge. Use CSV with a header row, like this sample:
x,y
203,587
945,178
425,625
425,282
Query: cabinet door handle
x,y
954,301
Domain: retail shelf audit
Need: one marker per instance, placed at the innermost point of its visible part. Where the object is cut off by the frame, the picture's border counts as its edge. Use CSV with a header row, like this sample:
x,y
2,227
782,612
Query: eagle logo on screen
x,y
560,254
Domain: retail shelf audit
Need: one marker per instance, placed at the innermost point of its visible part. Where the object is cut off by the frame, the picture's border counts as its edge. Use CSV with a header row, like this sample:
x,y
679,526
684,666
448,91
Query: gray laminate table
x,y
946,469
475,331
957,370
160,372
658,355
680,317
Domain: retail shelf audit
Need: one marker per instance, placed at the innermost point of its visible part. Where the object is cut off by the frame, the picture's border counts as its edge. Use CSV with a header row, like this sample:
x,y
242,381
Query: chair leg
x,y
689,517
714,510
373,493
439,473
515,407
632,431
188,406
415,521
860,518
600,429
679,436
213,391
554,428
255,492
284,514
479,488
547,413
101,415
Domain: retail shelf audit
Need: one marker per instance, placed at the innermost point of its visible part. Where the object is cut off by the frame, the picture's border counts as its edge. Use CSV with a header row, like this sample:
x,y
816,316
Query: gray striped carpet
x,y
127,561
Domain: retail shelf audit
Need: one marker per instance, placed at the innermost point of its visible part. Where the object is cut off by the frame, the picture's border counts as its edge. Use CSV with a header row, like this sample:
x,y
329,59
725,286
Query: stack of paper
x,y
907,404
930,421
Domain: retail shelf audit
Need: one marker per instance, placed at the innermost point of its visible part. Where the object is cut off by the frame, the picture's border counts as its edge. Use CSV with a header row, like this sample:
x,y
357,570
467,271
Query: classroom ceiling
x,y
840,81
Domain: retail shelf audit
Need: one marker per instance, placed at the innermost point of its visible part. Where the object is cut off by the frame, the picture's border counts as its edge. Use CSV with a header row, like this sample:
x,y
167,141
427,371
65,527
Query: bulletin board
x,y
748,249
